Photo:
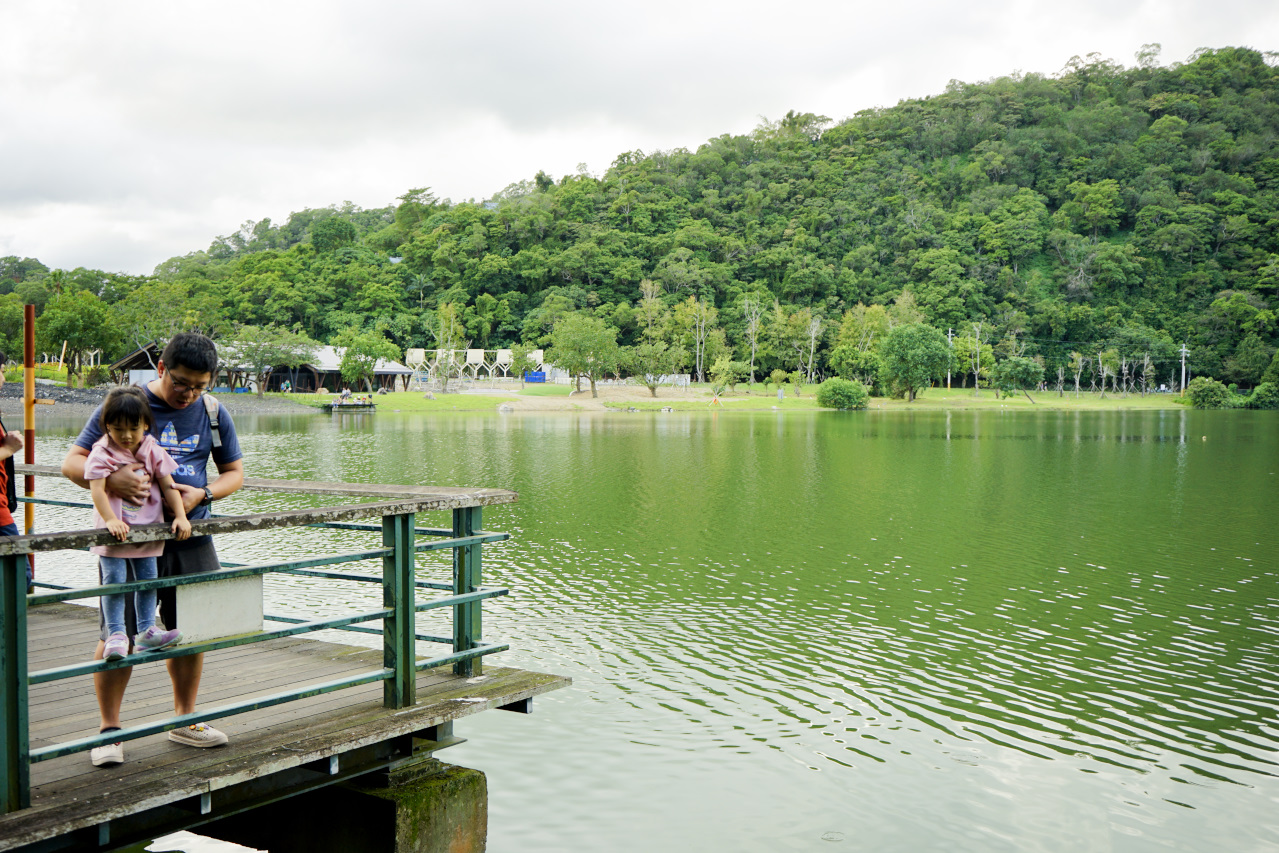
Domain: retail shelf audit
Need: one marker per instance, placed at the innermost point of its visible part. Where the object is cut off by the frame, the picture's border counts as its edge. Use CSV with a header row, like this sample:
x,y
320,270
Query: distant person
x,y
346,394
186,368
126,420
10,444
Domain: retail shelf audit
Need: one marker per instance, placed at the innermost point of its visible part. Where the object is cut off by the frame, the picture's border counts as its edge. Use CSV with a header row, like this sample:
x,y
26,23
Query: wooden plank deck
x,y
273,751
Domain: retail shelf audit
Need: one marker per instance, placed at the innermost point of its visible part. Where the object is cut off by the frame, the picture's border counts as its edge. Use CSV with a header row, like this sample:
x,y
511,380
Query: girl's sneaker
x,y
155,638
117,647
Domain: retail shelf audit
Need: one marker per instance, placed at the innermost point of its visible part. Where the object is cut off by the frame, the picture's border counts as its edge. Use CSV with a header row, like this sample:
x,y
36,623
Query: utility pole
x,y
949,335
1183,369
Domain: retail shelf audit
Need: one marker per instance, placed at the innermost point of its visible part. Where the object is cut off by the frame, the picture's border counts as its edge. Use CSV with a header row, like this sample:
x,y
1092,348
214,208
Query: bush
x,y
797,381
96,376
1207,393
836,393
778,377
1016,374
1264,396
726,372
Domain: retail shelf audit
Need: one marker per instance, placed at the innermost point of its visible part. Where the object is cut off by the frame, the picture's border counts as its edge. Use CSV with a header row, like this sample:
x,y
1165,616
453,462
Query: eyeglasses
x,y
183,388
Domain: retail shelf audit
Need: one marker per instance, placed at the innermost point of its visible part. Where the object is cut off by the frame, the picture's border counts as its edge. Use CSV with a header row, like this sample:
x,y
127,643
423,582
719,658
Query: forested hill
x,y
1104,208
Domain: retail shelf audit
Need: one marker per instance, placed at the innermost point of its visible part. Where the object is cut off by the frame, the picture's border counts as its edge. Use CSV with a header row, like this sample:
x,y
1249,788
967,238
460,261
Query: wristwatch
x,y
208,496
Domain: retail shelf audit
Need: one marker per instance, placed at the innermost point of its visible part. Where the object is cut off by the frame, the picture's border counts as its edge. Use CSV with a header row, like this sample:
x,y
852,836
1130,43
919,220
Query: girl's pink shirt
x,y
106,458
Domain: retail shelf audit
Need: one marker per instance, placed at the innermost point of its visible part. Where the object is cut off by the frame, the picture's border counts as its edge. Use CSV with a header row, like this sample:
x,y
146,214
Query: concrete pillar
x,y
433,808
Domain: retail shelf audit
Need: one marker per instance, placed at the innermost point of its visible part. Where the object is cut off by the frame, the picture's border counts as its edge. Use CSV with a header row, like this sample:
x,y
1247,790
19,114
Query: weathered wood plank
x,y
481,497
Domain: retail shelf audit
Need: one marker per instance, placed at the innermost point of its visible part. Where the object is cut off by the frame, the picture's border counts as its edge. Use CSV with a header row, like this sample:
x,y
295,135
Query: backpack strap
x,y
211,406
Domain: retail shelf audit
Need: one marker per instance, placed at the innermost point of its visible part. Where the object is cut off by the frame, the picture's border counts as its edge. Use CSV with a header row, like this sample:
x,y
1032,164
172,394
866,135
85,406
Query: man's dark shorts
x,y
193,560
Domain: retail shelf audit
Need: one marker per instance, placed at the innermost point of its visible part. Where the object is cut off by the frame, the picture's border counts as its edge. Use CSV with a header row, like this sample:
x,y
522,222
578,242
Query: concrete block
x,y
209,611
444,812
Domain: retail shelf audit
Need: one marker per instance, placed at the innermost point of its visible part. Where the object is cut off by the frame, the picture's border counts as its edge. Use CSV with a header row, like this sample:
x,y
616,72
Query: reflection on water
x,y
912,631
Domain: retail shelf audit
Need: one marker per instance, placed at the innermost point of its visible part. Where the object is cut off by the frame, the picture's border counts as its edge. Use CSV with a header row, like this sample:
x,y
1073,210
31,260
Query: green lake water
x,y
850,631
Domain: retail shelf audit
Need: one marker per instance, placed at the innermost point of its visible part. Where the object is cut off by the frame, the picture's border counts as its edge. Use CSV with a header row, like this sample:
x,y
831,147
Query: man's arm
x,y
125,482
230,479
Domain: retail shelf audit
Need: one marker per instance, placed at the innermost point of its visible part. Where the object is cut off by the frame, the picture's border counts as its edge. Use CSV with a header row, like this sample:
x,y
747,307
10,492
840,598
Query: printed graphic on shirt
x,y
179,448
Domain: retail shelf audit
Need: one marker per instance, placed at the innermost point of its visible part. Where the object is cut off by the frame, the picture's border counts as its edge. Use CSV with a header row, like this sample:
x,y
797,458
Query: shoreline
x,y
510,399
80,403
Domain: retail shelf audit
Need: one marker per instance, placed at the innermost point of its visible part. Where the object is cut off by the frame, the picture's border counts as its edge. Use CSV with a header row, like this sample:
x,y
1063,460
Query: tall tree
x,y
82,322
360,353
651,362
914,355
264,348
584,346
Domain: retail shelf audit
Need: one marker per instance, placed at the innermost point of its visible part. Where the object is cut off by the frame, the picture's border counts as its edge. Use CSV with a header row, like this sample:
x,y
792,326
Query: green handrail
x,y
400,606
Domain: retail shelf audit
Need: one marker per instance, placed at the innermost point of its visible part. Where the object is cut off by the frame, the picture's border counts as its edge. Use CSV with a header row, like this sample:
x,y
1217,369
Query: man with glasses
x,y
186,369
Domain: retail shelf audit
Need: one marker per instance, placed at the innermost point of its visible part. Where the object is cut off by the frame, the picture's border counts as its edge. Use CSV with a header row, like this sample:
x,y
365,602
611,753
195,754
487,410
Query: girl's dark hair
x,y
126,404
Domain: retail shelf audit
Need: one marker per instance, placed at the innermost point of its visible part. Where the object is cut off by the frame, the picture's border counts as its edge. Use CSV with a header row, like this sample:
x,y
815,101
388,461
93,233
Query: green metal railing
x,y
400,606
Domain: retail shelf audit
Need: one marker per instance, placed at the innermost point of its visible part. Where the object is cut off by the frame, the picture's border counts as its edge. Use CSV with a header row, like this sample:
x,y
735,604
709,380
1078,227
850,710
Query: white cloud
x,y
140,130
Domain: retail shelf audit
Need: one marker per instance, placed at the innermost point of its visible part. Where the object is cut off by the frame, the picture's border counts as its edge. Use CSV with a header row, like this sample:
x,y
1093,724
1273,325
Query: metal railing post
x,y
398,595
15,787
467,619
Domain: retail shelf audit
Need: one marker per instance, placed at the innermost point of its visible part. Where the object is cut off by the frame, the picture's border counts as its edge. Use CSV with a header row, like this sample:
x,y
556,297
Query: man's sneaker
x,y
155,638
198,735
117,647
107,756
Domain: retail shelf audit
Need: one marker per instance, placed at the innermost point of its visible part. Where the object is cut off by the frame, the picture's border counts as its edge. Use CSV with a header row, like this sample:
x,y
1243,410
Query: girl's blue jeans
x,y
116,570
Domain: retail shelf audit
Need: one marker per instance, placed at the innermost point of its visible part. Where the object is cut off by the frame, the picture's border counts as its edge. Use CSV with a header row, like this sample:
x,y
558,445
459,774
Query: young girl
x,y
126,419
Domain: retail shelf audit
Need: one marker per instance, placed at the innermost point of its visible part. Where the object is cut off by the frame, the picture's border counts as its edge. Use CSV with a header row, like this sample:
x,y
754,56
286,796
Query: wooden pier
x,y
273,753
301,714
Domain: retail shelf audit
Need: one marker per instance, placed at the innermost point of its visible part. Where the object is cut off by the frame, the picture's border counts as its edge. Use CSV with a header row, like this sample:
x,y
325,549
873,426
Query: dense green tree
x,y
12,321
1264,396
650,362
263,348
1204,392
914,355
80,321
332,233
360,353
837,393
584,346
1017,373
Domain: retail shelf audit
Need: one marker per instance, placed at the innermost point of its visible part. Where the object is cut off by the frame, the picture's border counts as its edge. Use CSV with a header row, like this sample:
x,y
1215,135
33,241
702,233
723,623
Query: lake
x,y
967,631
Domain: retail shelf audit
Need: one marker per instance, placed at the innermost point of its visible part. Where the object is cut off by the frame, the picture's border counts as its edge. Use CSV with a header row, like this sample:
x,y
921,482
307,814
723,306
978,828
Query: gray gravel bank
x,y
80,403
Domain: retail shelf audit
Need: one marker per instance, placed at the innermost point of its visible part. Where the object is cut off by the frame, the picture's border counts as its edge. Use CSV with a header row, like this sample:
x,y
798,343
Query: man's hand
x,y
12,441
130,483
191,497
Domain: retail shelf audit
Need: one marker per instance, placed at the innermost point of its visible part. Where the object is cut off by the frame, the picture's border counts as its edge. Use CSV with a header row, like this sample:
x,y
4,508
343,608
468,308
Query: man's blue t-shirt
x,y
185,433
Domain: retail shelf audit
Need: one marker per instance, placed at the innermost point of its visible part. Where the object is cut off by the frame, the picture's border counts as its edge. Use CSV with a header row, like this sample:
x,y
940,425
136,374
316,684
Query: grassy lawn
x,y
738,402
962,398
539,389
759,398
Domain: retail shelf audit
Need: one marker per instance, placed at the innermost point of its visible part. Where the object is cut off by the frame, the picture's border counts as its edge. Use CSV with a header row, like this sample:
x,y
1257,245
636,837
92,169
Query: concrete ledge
x,y
444,809
211,611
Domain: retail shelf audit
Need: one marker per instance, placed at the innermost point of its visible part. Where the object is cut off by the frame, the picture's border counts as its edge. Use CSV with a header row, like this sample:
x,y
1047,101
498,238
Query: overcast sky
x,y
135,130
